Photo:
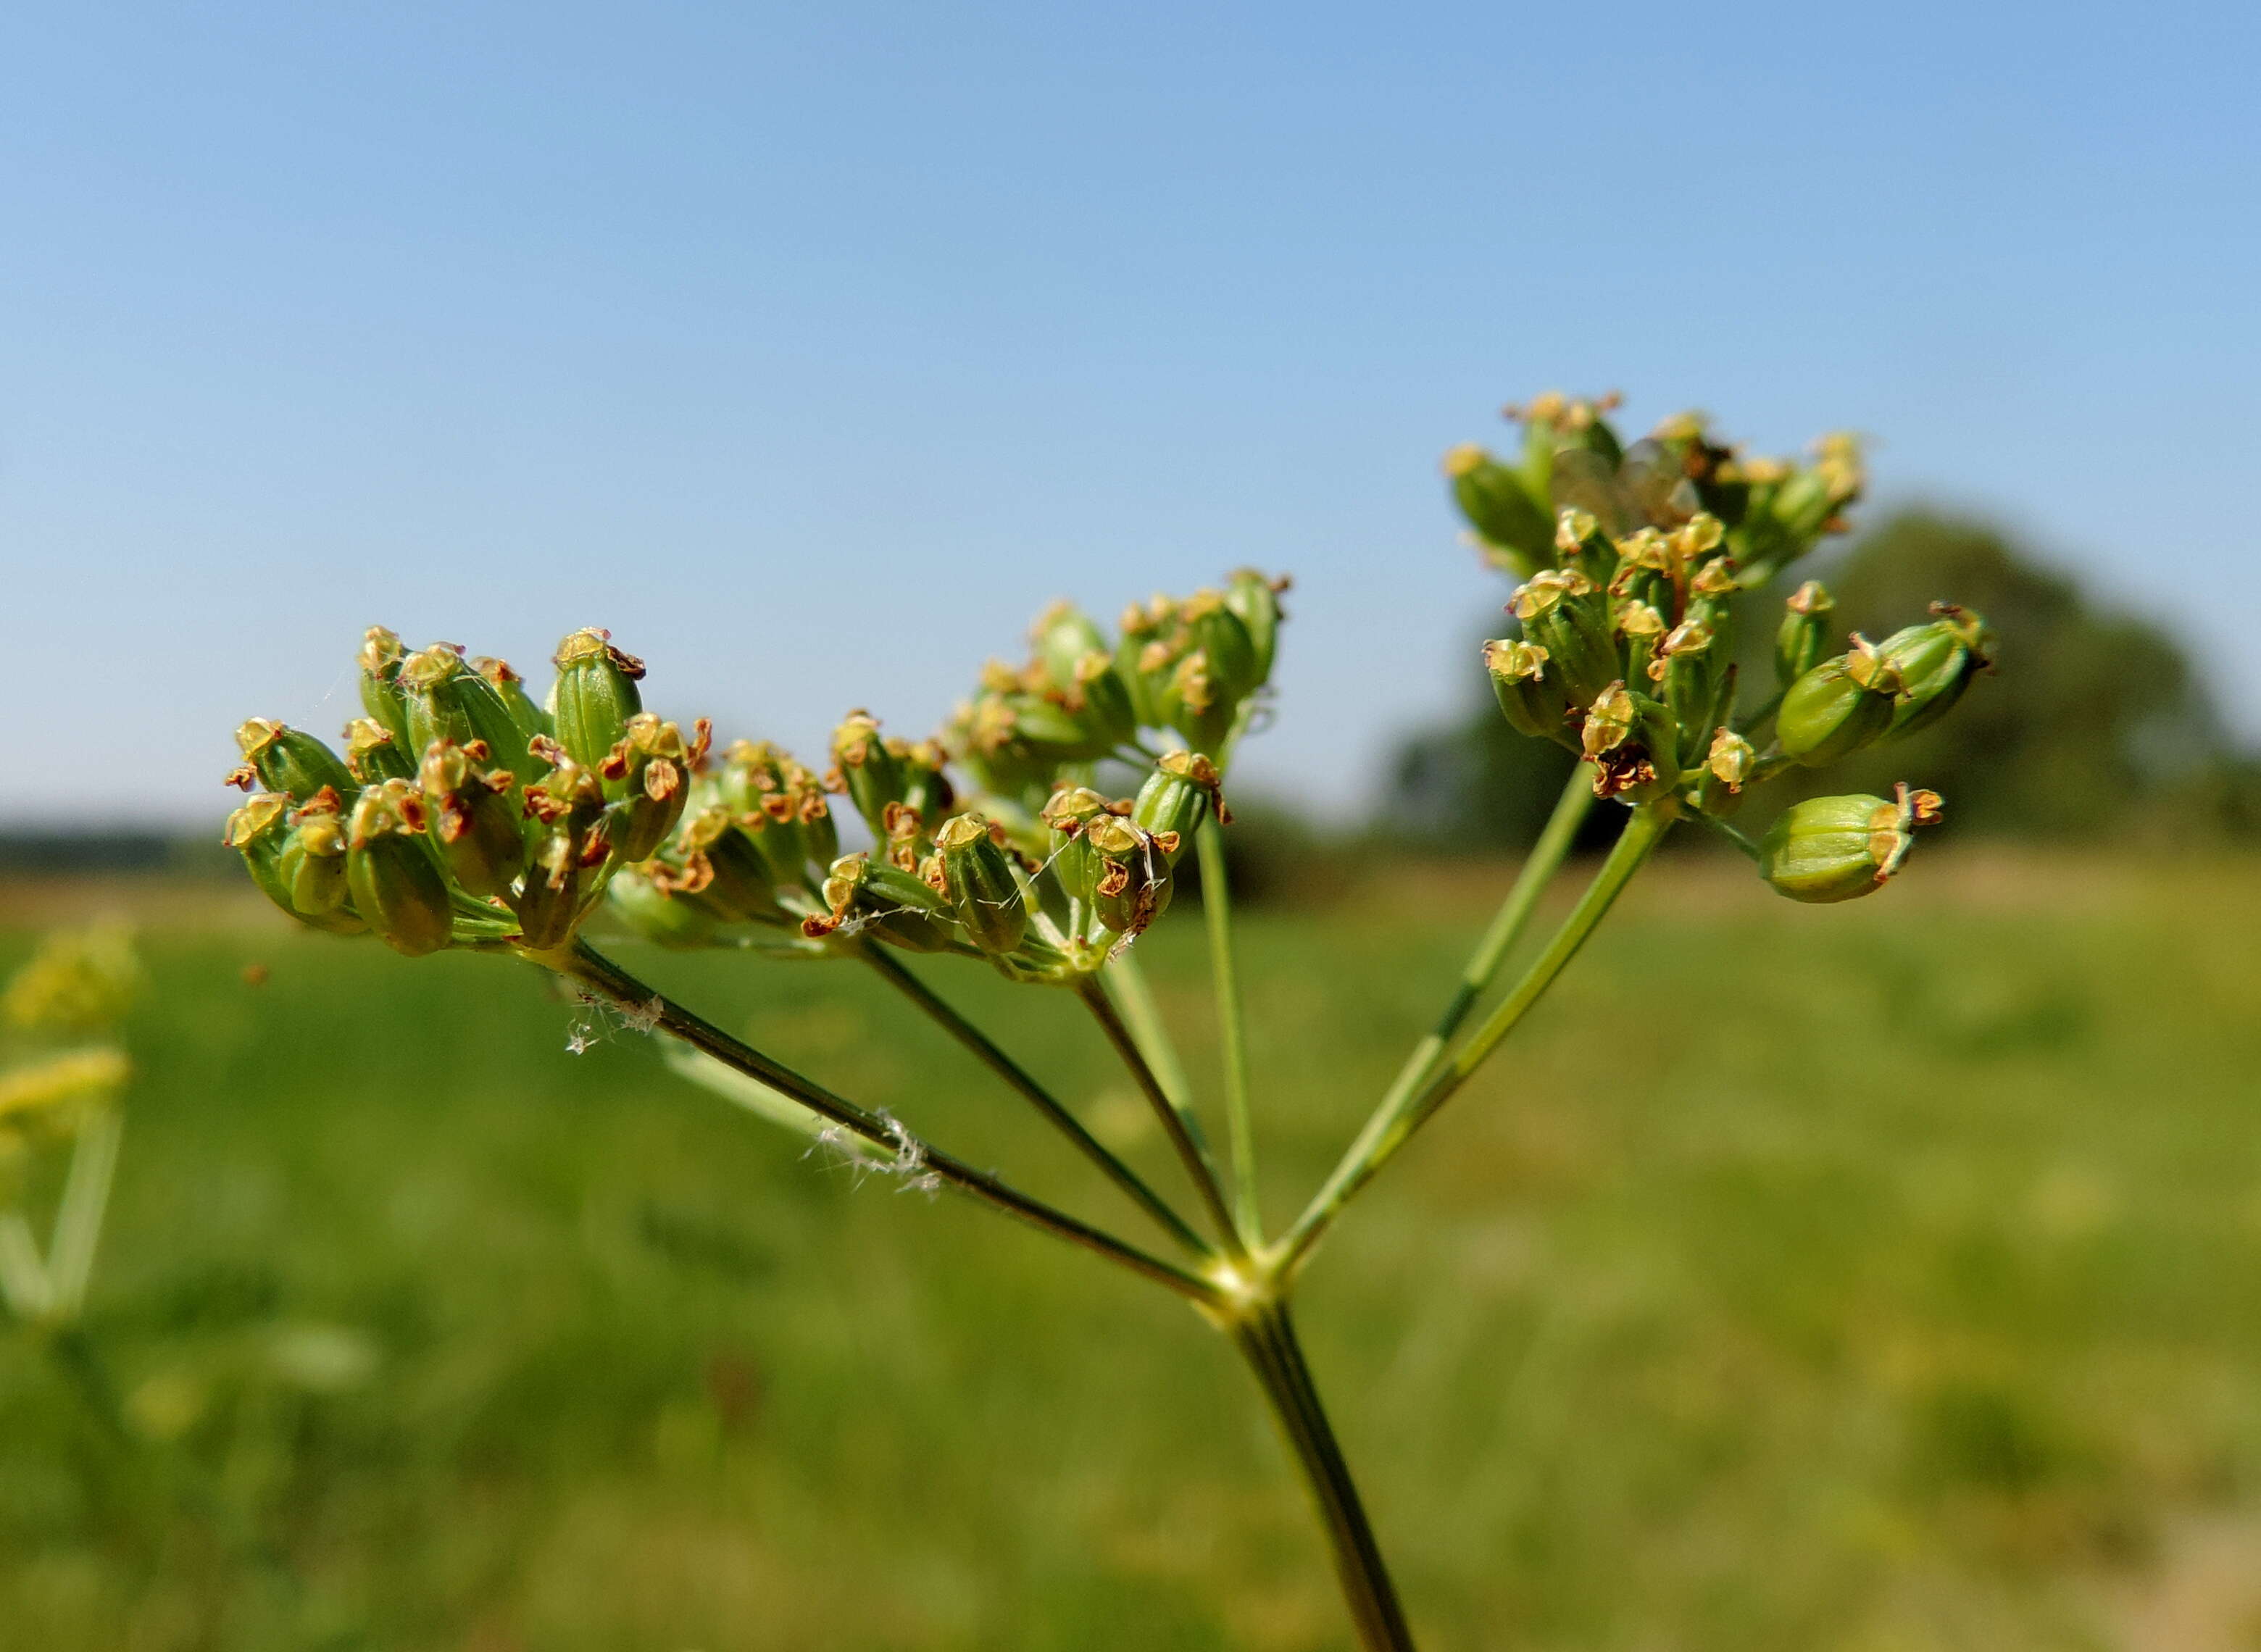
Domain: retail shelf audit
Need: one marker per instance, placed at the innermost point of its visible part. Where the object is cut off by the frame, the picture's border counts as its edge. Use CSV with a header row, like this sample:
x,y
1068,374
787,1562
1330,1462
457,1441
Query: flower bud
x,y
594,696
1564,613
1838,847
1633,743
448,700
1804,633
473,819
380,658
1256,599
647,775
311,866
1133,883
530,718
872,770
259,831
1936,662
572,823
289,760
1183,788
976,877
1837,707
1062,635
659,915
1528,697
895,906
374,754
1500,507
397,889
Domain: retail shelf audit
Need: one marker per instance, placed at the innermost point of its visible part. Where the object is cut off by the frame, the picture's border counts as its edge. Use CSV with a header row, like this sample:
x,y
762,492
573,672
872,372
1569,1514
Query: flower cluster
x,y
1639,565
465,813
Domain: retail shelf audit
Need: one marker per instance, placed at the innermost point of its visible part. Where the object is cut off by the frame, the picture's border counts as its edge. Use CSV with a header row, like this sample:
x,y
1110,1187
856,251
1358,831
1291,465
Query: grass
x,y
1870,1278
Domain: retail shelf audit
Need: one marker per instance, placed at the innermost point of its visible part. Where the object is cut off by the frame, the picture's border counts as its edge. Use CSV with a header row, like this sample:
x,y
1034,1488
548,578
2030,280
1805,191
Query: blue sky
x,y
811,348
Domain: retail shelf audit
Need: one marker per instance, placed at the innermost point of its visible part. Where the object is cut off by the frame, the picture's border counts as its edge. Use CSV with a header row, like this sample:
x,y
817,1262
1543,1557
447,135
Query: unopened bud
x,y
1528,697
594,696
473,819
397,889
289,760
1936,662
1176,797
1500,507
1830,848
1803,636
449,700
977,876
1565,613
374,755
1837,707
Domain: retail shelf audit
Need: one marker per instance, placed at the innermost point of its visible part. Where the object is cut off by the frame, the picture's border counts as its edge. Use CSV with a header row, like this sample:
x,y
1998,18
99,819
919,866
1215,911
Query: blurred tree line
x,y
2095,726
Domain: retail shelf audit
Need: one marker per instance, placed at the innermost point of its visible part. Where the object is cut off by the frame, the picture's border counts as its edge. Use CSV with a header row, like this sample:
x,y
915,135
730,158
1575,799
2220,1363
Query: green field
x,y
1870,1278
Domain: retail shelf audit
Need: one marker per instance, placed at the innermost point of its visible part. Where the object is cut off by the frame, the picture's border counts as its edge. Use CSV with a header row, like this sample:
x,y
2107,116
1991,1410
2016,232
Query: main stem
x,y
1265,1337
1217,910
1392,1127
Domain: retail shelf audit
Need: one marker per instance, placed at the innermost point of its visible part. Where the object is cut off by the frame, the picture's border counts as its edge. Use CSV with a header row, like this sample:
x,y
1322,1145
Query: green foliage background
x,y
1885,1282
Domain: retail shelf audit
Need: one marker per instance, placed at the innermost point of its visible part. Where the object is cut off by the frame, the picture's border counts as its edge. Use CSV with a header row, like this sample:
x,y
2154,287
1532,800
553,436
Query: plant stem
x,y
1136,1001
1179,1123
1217,910
1265,1337
592,969
78,1218
899,976
1392,1127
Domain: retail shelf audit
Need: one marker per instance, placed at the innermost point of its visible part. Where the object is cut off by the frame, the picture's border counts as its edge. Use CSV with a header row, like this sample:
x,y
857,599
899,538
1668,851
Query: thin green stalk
x,y
899,976
1183,1130
1135,998
1388,1131
78,1218
592,969
1217,910
1266,1340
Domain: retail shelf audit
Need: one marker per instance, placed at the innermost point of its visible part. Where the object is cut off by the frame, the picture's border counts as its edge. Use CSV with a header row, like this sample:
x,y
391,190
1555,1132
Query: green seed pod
x,y
1728,765
894,906
1068,813
289,760
474,819
1837,707
259,831
1062,635
530,718
594,696
1936,662
1144,630
397,889
1633,743
1212,627
1182,791
1688,665
1803,634
374,755
312,866
1709,591
1192,703
1829,849
976,877
1528,696
380,658
571,823
647,775
734,877
1255,598
1566,614
1580,543
1500,507
1100,700
657,915
1134,881
448,700
872,770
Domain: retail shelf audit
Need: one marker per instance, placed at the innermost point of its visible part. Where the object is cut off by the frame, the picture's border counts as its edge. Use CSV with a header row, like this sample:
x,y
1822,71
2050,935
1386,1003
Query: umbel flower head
x,y
1639,564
